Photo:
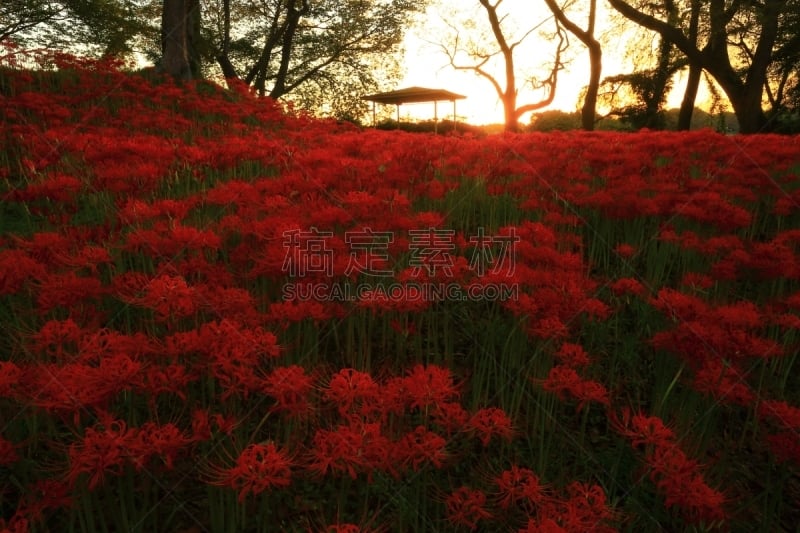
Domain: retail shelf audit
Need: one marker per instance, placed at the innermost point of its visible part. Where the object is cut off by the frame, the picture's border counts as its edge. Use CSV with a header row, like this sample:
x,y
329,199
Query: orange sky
x,y
428,66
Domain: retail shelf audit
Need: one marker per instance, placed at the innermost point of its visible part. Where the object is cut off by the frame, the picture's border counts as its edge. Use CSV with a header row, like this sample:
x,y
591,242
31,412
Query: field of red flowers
x,y
220,315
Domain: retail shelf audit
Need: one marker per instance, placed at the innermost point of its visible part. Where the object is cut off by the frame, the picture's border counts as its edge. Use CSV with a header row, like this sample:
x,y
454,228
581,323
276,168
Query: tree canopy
x,y
738,44
310,50
98,27
325,54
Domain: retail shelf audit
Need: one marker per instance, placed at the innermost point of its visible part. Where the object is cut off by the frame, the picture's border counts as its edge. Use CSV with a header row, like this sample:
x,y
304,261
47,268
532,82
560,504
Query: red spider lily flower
x,y
169,297
351,449
466,507
168,241
679,306
74,387
561,380
175,210
46,494
172,379
720,244
641,429
234,341
785,446
428,219
232,303
784,206
96,344
595,309
44,246
429,386
572,355
258,468
17,269
349,386
211,278
739,315
591,391
201,425
136,211
519,486
624,286
57,339
229,193
678,478
773,260
225,424
450,416
67,290
625,250
394,396
291,388
420,446
787,416
564,381
550,327
727,269
235,353
163,441
675,475
101,452
792,301
489,422
723,382
785,321
89,257
587,509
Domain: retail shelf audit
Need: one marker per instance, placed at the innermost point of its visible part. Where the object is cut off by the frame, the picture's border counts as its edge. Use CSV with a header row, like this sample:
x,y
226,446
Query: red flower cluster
x,y
676,476
150,232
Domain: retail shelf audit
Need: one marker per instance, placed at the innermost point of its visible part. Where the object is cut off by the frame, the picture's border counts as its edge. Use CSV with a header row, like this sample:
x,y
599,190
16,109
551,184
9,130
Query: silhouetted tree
x,y
759,31
587,37
507,88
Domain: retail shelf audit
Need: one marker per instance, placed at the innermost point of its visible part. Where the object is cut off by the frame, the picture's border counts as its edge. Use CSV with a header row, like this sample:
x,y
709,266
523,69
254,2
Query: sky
x,y
428,66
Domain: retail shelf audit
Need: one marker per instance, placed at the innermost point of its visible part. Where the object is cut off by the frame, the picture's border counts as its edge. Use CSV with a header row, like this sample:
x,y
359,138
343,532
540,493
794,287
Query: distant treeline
x,y
724,122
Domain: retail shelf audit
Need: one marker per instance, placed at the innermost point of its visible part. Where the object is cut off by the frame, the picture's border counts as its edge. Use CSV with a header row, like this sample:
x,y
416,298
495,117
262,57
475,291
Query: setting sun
x,y
427,65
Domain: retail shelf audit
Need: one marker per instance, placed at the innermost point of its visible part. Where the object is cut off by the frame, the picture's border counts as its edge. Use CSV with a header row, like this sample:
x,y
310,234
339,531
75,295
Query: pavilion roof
x,y
414,94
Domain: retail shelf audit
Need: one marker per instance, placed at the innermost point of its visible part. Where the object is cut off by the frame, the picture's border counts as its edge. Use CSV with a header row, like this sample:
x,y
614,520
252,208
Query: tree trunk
x,y
589,109
510,112
175,39
193,29
293,16
689,98
228,70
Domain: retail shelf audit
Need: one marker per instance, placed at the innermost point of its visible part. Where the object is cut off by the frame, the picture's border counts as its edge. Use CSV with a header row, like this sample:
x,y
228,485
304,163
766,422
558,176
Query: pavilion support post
x,y
412,95
454,116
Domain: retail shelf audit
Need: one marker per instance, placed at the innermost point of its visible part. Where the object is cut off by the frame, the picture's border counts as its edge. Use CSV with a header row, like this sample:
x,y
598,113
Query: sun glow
x,y
427,65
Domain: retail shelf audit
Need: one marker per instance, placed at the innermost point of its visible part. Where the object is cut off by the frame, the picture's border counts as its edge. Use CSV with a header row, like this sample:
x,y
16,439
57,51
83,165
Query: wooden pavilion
x,y
411,95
